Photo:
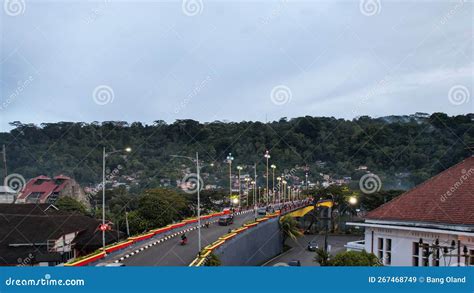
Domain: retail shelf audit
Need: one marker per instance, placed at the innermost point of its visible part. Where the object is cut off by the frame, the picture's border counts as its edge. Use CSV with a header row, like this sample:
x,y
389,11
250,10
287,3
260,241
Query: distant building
x,y
7,195
43,189
42,235
430,225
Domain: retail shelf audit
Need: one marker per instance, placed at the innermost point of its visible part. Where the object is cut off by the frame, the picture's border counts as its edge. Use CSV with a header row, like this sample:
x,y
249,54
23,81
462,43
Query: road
x,y
299,251
171,253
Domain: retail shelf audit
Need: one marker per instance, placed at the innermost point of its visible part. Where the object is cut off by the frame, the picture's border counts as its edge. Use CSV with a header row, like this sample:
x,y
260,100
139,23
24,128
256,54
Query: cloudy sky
x,y
240,60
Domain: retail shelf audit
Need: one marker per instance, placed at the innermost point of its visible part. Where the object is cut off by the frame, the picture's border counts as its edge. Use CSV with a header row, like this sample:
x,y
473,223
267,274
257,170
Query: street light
x,y
239,168
229,161
198,171
104,155
267,156
279,189
353,200
247,181
273,182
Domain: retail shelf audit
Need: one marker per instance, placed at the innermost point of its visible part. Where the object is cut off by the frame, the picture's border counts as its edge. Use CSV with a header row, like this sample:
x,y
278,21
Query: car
x,y
226,220
262,211
312,246
294,263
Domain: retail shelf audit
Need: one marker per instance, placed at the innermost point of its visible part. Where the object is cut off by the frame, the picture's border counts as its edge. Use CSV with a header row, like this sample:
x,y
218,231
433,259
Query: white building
x,y
430,225
7,195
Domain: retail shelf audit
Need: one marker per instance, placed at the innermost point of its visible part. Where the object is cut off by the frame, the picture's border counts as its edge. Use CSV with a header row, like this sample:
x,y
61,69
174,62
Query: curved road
x,y
171,253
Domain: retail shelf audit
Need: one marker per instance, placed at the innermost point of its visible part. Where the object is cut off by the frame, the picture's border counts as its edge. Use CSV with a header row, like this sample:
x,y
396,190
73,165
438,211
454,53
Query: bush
x,y
355,258
213,261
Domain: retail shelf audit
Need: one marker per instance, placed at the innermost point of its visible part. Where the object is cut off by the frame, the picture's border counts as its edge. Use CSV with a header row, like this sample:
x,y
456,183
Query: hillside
x,y
404,150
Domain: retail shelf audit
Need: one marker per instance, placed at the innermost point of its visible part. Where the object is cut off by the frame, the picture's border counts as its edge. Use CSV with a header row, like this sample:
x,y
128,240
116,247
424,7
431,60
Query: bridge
x,y
161,247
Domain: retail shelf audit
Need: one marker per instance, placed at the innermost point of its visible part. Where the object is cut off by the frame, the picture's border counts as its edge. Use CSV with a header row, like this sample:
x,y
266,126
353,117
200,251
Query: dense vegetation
x,y
402,150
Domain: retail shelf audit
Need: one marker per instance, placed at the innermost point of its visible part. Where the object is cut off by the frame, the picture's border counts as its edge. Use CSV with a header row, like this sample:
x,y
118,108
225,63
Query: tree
x,y
69,204
322,257
355,258
157,208
289,228
213,261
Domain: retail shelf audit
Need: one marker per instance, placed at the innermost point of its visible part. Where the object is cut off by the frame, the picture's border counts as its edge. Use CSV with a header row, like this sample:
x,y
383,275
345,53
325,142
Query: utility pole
x,y
4,153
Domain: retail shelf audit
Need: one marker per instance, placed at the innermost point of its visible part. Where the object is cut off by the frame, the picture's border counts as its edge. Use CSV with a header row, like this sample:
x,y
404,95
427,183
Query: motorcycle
x,y
184,241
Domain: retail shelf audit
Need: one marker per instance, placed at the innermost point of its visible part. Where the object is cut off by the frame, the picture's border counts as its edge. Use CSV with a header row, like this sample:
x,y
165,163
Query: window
x,y
388,251
415,254
380,248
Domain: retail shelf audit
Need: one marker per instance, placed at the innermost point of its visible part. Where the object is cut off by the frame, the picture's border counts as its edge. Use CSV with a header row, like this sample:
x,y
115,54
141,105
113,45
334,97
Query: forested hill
x,y
411,147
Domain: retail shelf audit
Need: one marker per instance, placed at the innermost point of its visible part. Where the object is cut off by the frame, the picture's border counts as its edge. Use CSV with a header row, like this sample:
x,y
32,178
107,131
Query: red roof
x,y
43,185
447,198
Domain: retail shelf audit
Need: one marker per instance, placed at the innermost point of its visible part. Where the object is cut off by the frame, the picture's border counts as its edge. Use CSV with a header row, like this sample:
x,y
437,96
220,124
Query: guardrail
x,y
204,254
85,260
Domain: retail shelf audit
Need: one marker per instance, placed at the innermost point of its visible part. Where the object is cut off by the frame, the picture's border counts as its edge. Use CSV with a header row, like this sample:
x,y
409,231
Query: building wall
x,y
7,198
254,246
403,247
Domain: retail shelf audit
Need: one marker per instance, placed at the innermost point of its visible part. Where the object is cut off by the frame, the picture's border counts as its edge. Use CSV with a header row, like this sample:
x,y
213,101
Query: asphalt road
x,y
171,253
300,252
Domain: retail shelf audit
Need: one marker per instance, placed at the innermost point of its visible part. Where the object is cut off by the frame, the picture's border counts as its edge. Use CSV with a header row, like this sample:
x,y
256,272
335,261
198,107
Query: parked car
x,y
226,220
295,263
312,246
262,211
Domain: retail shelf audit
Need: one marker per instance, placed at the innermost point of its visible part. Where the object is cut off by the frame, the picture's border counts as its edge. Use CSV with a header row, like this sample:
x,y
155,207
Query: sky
x,y
233,60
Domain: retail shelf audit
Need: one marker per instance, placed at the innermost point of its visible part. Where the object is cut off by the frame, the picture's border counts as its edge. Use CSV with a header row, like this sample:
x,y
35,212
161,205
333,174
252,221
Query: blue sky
x,y
239,60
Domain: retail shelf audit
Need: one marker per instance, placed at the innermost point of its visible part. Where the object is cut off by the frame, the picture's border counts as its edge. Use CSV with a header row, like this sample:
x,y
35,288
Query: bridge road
x,y
171,253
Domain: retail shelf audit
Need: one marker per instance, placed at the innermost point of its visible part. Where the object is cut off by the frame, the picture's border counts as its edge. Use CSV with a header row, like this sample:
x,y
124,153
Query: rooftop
x,y
447,198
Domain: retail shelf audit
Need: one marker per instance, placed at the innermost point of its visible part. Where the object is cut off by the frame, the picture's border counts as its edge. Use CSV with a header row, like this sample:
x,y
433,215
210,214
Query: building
x,y
430,225
42,235
7,195
43,189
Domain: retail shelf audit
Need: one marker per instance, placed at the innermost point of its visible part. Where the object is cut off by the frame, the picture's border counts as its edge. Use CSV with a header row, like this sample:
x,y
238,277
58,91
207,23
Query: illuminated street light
x,y
239,168
267,156
273,182
229,161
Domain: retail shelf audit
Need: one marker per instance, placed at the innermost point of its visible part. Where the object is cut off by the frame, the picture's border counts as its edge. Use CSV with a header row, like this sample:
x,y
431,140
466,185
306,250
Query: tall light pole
x,y
267,156
273,182
279,189
255,191
307,186
239,168
198,174
247,181
229,161
284,190
104,155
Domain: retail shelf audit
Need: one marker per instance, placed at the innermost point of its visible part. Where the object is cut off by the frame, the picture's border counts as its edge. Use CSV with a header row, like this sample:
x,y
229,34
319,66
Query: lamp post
x,y
239,168
279,189
104,156
229,161
307,185
198,174
267,156
247,181
273,182
255,191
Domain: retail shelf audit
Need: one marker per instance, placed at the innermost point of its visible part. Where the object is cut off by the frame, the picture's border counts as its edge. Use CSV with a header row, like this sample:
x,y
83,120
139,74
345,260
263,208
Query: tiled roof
x,y
447,198
43,185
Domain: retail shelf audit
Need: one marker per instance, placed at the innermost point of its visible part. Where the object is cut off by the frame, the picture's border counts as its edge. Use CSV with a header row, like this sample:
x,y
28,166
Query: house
x,y
7,195
43,189
42,235
430,225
